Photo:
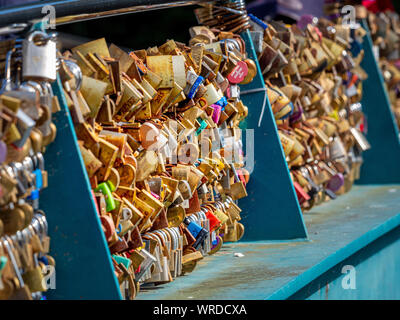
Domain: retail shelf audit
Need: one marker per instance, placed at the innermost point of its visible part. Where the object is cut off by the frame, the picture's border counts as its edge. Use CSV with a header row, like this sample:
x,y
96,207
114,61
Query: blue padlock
x,y
222,102
33,198
197,231
258,21
195,87
38,179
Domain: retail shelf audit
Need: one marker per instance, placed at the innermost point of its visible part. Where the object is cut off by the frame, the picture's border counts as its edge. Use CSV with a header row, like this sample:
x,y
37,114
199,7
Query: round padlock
x,y
28,212
239,230
114,177
127,175
131,160
216,245
252,71
149,134
51,137
13,220
126,214
336,182
36,137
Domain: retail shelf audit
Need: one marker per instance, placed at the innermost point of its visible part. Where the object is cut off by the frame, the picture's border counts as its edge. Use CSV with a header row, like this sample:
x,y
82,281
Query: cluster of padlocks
x,y
314,85
158,130
26,128
385,33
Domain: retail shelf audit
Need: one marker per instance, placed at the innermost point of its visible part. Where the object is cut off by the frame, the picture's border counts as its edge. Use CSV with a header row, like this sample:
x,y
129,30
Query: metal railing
x,y
69,11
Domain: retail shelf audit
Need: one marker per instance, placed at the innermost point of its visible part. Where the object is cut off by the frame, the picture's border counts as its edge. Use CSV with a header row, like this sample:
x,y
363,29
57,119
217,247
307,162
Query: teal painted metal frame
x,y
295,287
271,211
84,268
376,273
381,162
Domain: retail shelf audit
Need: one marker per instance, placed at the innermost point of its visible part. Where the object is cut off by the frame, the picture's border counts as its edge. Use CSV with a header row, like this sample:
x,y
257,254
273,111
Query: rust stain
x,y
326,291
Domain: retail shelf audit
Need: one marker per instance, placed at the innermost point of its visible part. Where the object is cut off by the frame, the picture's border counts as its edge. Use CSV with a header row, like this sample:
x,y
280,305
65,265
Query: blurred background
x,y
130,31
136,30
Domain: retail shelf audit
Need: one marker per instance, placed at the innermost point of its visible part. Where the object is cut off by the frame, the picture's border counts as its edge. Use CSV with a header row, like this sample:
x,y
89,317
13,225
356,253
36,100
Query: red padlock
x,y
241,176
302,195
108,226
238,73
214,221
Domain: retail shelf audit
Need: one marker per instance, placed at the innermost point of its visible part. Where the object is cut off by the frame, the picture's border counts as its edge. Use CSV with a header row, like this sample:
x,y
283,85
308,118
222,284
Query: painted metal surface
x,y
277,270
381,162
270,183
371,273
84,269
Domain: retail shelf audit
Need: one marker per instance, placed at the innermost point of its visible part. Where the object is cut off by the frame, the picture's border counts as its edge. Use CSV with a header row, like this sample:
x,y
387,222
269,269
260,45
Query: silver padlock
x,y
39,60
77,72
25,125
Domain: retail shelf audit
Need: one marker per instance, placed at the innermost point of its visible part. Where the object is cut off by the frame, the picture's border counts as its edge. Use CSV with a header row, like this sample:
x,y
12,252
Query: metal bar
x,y
69,11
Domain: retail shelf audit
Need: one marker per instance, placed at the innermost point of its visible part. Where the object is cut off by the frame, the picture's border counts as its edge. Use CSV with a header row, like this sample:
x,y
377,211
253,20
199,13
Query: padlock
x,y
198,232
39,57
25,125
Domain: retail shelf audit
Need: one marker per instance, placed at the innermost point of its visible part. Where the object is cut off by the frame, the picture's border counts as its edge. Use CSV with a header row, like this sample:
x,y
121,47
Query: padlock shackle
x,y
41,34
7,84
